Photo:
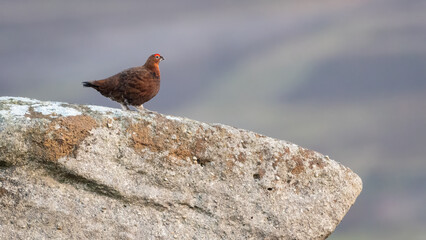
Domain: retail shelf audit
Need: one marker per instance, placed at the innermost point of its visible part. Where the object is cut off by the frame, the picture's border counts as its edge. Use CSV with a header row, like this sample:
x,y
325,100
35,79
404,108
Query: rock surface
x,y
88,172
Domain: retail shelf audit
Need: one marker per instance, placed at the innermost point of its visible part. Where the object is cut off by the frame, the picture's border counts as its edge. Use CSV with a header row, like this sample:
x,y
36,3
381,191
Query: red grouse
x,y
134,86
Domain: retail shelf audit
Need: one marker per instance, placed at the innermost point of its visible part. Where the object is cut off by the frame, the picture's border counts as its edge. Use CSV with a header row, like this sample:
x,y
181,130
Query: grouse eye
x,y
157,57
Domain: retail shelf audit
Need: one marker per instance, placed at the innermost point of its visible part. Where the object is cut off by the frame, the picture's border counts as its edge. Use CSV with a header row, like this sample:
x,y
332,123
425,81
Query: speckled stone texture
x,y
88,172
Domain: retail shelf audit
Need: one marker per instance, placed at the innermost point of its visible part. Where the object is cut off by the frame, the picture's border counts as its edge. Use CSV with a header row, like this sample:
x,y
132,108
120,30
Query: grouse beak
x,y
161,58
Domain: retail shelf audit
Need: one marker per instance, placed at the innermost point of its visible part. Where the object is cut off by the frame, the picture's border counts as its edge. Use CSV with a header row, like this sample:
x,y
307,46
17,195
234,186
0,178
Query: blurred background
x,y
345,78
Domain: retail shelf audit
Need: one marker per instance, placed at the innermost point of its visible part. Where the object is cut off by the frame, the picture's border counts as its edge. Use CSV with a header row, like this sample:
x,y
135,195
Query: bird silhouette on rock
x,y
132,87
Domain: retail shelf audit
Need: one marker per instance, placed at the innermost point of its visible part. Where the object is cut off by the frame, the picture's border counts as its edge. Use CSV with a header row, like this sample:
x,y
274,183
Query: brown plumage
x,y
133,86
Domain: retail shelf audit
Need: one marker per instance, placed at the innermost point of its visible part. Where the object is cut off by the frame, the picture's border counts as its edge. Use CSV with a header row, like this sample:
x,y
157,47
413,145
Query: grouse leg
x,y
140,108
124,107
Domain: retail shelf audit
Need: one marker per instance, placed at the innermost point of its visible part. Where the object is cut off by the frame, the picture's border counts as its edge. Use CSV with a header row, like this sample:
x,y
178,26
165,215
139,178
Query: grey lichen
x,y
98,172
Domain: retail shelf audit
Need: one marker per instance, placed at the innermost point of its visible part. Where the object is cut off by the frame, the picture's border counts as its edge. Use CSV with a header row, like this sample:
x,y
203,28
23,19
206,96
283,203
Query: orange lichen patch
x,y
296,186
200,147
306,153
63,135
241,157
299,168
166,136
230,164
33,114
275,163
286,150
3,192
280,158
141,136
259,135
181,153
318,162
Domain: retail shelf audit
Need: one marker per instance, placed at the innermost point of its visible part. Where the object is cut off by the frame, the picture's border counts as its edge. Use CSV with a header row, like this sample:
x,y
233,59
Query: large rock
x,y
89,172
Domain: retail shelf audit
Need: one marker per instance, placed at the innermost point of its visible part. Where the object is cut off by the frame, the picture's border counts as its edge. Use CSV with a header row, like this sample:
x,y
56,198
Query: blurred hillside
x,y
345,78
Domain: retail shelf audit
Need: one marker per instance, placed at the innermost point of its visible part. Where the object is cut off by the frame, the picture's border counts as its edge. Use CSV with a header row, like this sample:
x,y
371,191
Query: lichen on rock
x,y
75,171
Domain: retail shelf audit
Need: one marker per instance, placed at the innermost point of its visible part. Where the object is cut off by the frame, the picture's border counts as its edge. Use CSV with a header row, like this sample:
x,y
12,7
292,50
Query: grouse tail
x,y
89,84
